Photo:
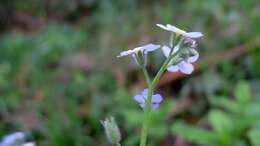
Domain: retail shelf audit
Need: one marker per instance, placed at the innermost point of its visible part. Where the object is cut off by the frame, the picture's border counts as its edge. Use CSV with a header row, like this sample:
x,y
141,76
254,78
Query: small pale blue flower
x,y
174,29
13,139
141,99
145,49
185,66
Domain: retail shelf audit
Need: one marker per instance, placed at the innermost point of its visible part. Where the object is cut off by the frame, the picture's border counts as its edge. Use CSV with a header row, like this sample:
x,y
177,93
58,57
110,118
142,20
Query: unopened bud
x,y
111,130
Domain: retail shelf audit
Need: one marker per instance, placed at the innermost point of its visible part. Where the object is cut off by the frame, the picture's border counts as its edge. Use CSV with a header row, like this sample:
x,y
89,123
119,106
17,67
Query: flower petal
x,y
13,138
162,26
145,93
157,98
142,105
125,53
193,34
175,29
194,57
171,28
173,68
139,98
137,49
185,67
166,50
155,107
150,47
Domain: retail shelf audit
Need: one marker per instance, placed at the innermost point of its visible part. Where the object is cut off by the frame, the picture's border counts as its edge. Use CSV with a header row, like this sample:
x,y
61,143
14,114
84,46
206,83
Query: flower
x,y
111,130
145,49
15,139
141,99
184,59
172,28
185,64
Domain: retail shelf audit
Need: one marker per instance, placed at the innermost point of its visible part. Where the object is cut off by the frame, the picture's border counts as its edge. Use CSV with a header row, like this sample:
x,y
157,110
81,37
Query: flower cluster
x,y
180,54
16,139
182,62
187,55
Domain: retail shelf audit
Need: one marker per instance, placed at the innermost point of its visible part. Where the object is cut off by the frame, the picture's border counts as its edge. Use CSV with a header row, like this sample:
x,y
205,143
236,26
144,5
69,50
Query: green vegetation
x,y
59,75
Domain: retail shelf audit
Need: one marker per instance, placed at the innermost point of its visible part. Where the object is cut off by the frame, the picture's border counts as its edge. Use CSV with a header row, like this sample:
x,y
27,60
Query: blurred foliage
x,y
232,121
59,75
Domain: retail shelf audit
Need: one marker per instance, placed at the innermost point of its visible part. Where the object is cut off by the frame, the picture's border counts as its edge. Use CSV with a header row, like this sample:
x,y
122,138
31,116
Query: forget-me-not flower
x,y
185,65
174,29
141,99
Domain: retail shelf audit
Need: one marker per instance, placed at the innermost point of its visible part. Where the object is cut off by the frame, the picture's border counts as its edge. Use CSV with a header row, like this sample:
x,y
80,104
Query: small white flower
x,y
145,49
185,66
174,29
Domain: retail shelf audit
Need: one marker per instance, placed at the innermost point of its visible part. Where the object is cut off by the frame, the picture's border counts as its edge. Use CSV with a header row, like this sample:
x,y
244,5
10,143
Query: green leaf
x,y
222,125
224,102
194,134
242,92
254,137
220,121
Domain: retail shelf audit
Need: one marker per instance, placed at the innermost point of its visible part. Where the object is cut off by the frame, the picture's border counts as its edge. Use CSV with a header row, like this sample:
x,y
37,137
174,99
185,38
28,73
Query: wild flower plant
x,y
179,54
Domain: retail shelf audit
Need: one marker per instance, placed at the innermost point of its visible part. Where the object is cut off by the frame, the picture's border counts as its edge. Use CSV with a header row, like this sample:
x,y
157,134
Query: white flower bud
x,y
111,130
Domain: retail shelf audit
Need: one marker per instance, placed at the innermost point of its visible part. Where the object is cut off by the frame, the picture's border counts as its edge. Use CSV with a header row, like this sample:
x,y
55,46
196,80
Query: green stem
x,y
147,110
164,67
146,75
118,144
160,72
148,107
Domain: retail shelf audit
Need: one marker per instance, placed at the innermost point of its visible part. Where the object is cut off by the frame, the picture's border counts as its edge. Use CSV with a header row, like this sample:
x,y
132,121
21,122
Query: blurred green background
x,y
59,75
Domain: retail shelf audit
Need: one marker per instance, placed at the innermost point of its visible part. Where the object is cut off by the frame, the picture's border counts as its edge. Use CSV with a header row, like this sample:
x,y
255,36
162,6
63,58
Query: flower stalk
x,y
151,85
180,53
